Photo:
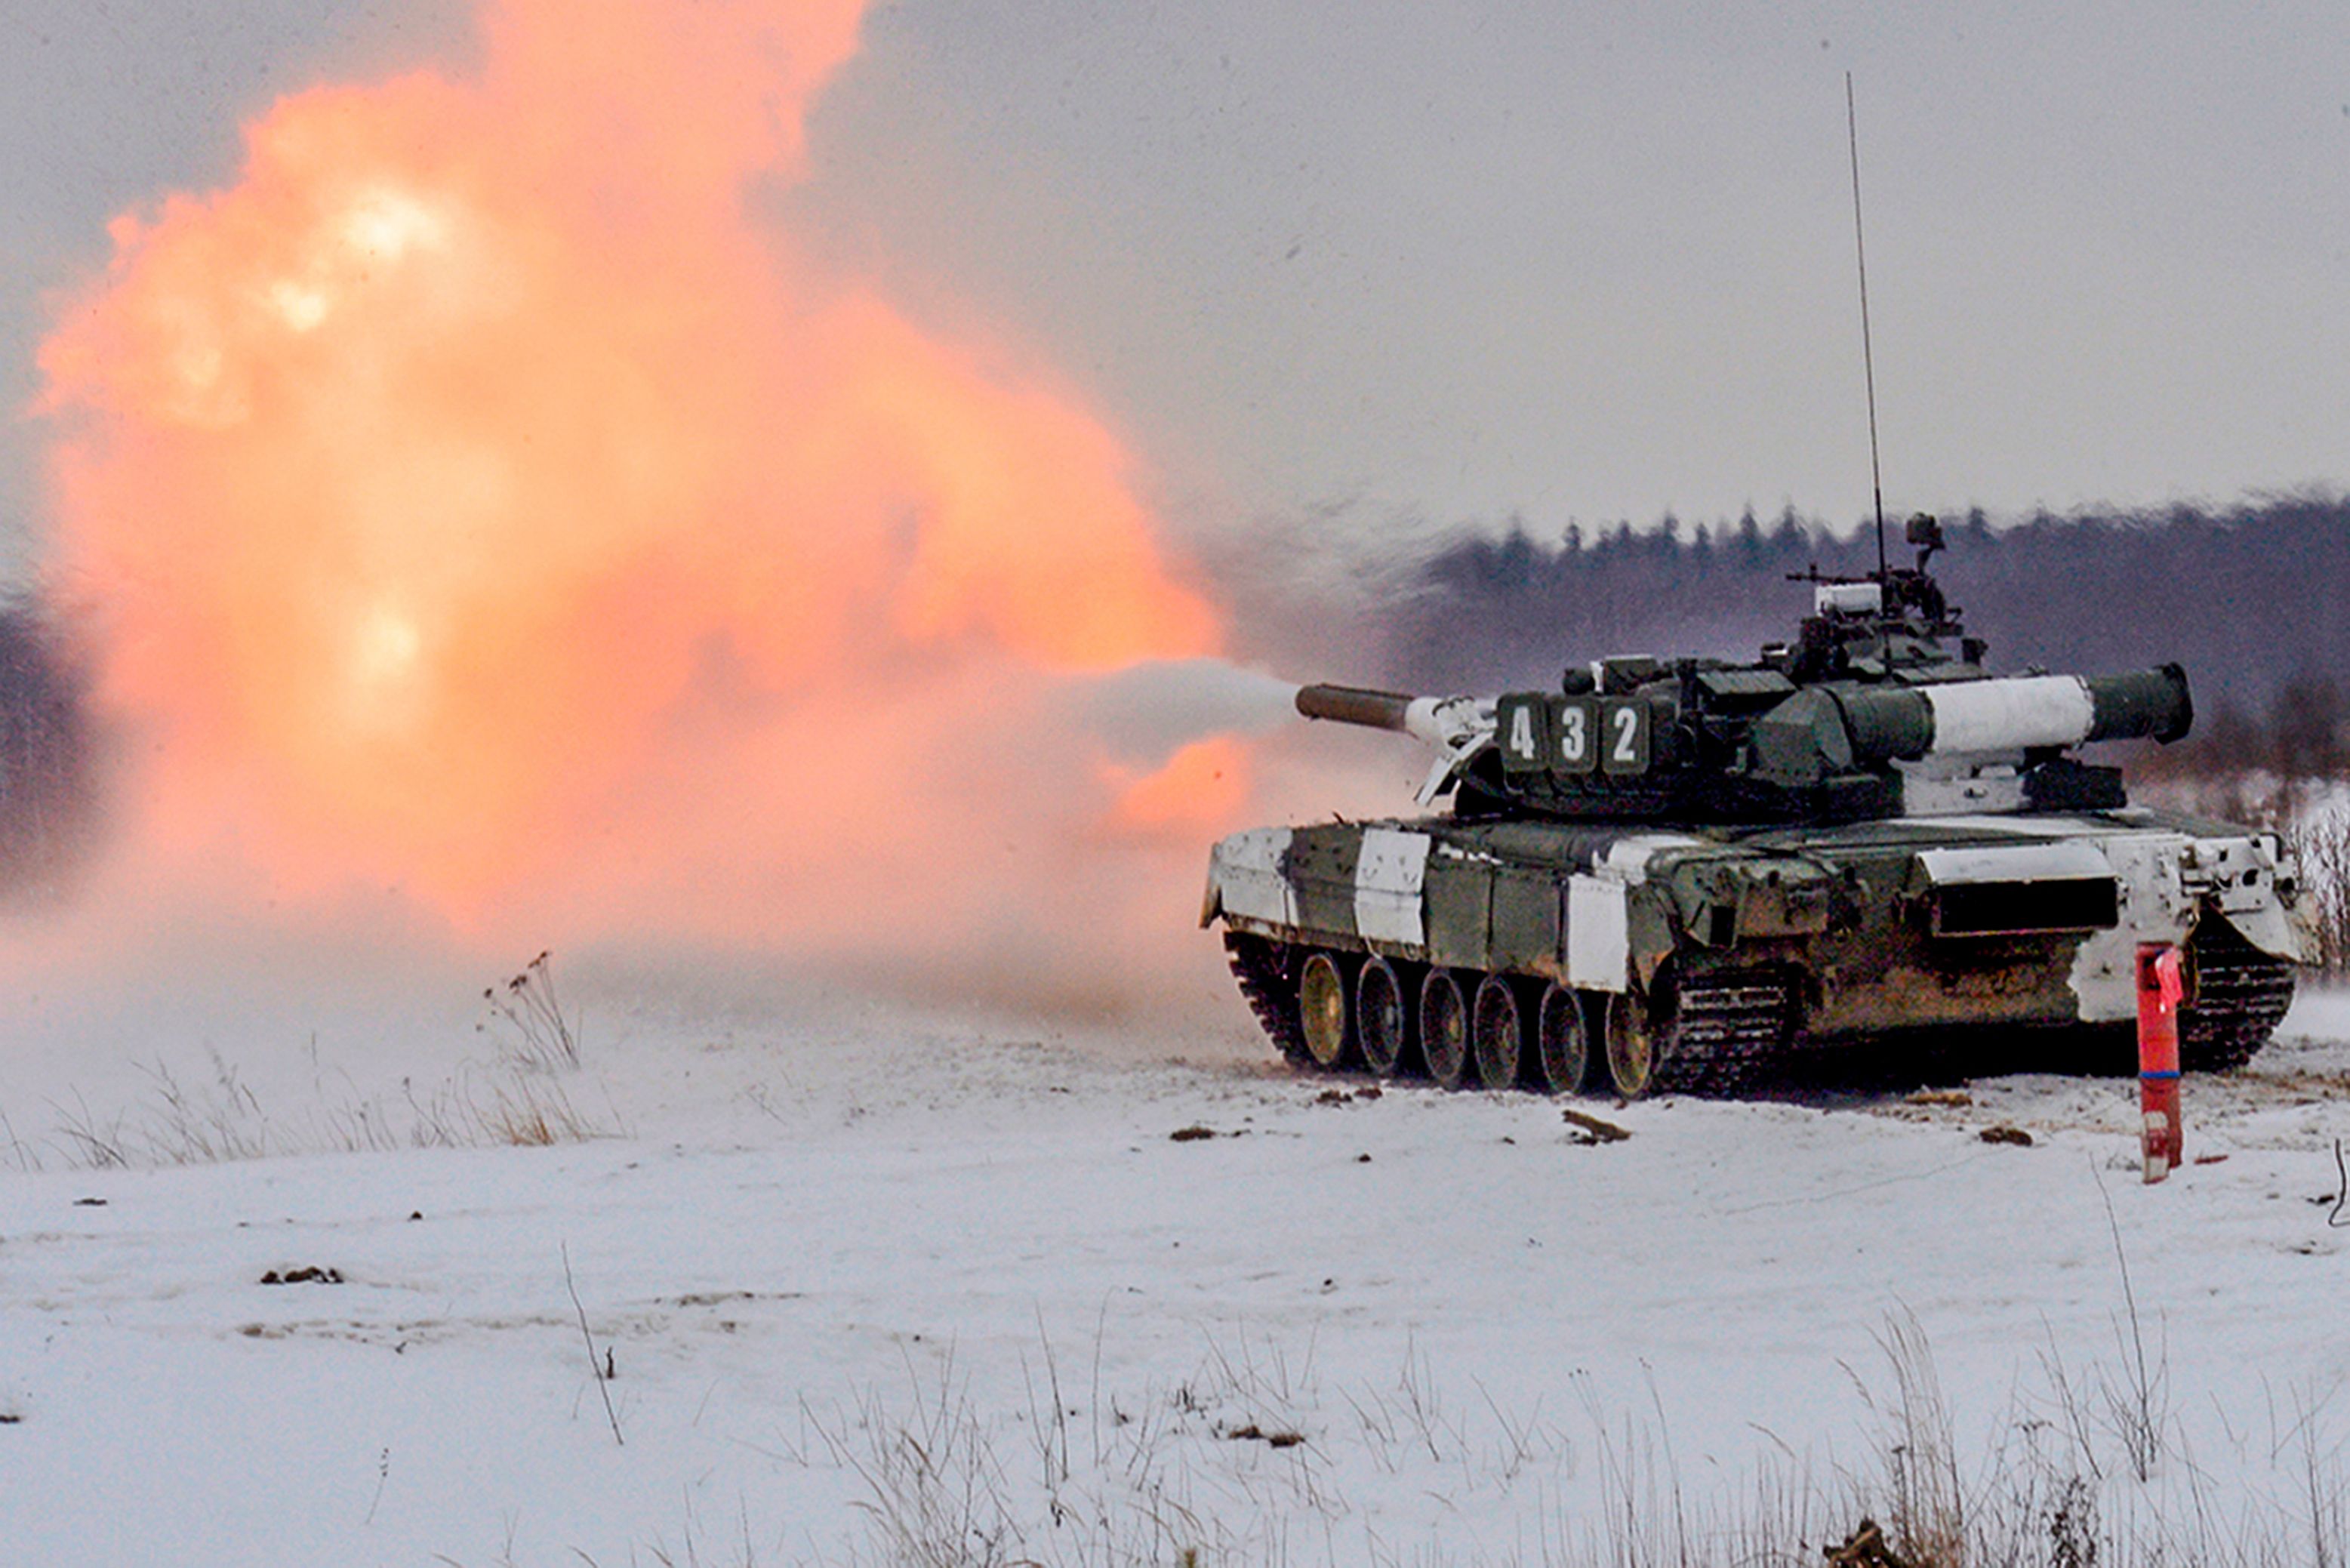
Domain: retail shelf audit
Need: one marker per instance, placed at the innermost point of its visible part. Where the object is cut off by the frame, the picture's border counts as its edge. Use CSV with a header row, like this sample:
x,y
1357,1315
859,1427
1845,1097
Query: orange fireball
x,y
473,487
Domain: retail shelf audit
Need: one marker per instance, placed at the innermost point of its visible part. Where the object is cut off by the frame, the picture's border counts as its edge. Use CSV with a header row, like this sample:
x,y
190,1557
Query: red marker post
x,y
2160,989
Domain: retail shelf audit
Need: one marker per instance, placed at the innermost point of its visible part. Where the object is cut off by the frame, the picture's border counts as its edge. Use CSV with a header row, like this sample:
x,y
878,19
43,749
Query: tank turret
x,y
1881,706
1688,869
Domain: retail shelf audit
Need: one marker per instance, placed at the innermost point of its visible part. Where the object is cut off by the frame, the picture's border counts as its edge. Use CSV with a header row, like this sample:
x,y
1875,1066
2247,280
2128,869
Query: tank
x,y
1694,876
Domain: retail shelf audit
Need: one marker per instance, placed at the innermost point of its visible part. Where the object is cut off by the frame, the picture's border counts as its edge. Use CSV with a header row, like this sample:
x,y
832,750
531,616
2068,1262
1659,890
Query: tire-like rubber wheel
x,y
1565,1041
1444,1027
1497,1034
1321,1010
1382,1017
1632,1045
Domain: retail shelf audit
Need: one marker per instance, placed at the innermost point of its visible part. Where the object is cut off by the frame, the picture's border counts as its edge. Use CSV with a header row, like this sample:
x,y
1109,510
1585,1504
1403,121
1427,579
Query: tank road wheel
x,y
1321,1010
1382,1021
1632,1045
1497,1032
1444,1027
1563,1040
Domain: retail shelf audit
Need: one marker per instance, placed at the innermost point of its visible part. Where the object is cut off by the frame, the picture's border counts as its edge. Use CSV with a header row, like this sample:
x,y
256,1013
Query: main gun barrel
x,y
1356,705
2017,714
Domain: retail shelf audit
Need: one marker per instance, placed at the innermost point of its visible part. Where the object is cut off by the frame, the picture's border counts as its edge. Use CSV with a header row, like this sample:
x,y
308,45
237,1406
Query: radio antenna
x,y
1867,354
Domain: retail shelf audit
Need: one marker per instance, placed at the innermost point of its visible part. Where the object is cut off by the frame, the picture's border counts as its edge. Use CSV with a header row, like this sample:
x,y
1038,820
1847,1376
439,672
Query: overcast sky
x,y
1576,262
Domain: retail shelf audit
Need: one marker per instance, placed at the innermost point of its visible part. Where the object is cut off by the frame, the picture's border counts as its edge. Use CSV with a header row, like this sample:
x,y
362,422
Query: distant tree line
x,y
2302,732
48,773
2253,599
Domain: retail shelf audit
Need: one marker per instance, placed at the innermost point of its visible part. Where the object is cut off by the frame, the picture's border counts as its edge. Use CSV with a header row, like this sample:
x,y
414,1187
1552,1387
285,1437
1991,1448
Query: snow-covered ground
x,y
874,1285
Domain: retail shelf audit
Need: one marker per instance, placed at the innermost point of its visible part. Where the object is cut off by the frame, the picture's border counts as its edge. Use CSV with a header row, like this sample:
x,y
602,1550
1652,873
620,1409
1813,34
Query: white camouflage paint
x,y
2009,715
2242,874
1848,598
1598,916
1931,787
2145,870
1598,933
1389,878
2066,860
1627,859
2155,908
2161,876
2031,826
1460,728
1244,876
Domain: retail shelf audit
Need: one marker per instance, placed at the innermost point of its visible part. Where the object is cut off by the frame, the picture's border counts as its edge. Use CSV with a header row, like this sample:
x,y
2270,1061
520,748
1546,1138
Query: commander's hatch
x,y
2017,889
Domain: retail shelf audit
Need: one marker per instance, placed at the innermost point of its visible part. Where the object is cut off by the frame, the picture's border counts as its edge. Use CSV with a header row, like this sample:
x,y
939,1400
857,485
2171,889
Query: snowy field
x,y
875,1286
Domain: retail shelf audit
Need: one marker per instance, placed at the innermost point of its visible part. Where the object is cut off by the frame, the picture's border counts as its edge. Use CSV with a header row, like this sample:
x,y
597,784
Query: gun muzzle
x,y
2154,703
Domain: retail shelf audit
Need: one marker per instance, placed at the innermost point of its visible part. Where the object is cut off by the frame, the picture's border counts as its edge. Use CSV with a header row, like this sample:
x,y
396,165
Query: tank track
x,y
1730,1033
1264,969
2240,995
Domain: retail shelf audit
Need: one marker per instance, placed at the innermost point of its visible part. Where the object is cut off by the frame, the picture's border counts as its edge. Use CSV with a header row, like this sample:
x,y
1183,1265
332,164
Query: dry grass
x,y
535,1027
2322,841
1174,1475
518,1096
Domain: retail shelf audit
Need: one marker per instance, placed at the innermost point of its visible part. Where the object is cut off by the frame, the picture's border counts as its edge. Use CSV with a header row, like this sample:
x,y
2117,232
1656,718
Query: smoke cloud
x,y
478,509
